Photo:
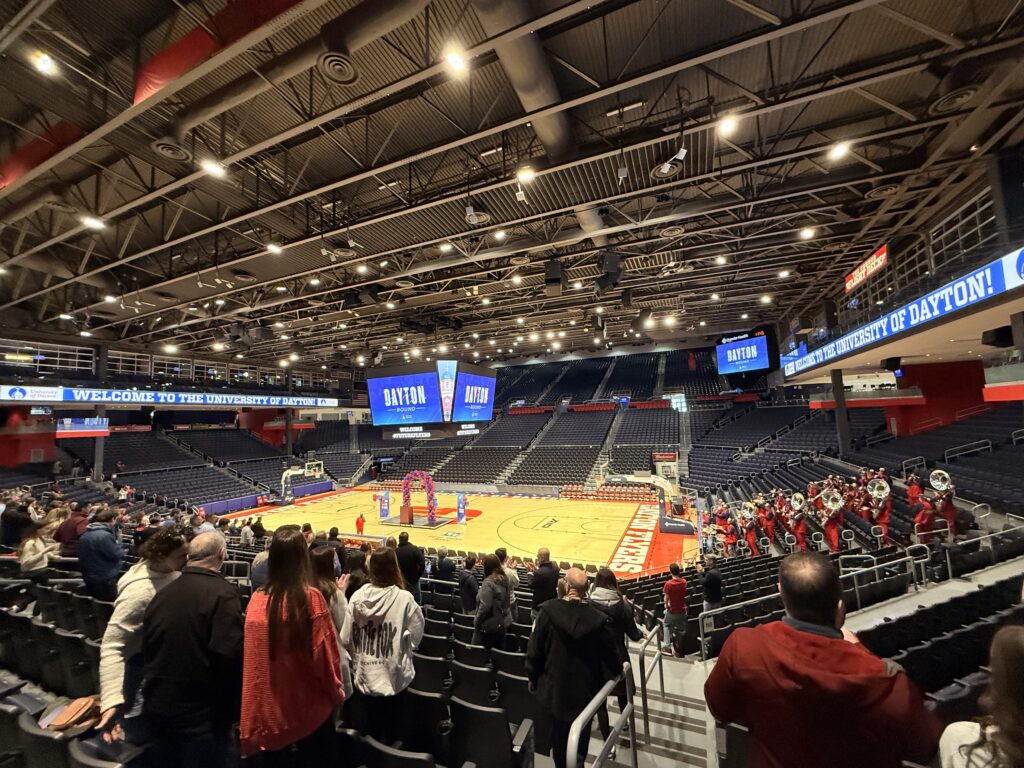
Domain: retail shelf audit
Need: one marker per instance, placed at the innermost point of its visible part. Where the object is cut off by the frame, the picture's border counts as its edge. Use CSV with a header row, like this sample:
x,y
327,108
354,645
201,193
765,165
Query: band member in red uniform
x,y
750,533
947,511
767,522
360,522
924,521
882,515
913,491
798,527
732,535
831,526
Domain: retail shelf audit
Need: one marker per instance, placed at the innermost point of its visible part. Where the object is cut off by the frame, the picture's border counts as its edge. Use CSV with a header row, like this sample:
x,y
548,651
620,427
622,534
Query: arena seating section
x,y
195,485
138,451
641,432
227,444
700,381
579,382
635,376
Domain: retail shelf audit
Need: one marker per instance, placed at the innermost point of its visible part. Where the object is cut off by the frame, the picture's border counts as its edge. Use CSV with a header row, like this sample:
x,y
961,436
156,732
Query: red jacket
x,y
812,701
286,699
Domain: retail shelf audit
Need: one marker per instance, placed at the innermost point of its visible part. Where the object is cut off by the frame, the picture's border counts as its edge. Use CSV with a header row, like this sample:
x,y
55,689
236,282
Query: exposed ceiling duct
x,y
330,51
54,196
529,72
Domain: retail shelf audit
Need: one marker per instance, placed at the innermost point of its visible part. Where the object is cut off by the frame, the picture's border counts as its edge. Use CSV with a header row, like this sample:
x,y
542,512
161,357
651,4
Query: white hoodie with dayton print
x,y
374,633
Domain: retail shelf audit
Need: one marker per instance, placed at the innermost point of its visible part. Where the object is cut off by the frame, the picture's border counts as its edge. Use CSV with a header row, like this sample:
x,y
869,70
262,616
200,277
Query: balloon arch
x,y
428,486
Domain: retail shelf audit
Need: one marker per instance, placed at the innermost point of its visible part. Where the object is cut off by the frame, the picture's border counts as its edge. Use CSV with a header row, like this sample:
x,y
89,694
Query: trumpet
x,y
939,480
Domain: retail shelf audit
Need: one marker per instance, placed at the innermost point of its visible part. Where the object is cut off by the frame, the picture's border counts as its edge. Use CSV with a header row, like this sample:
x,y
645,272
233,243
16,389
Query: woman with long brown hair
x,y
383,624
291,680
997,741
324,562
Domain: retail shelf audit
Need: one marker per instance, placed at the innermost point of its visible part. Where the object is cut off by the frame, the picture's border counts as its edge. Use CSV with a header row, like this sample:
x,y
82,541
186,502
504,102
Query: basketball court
x,y
588,532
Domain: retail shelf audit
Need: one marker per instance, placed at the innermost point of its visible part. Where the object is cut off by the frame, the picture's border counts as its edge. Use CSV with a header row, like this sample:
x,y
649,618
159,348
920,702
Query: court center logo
x,y
17,393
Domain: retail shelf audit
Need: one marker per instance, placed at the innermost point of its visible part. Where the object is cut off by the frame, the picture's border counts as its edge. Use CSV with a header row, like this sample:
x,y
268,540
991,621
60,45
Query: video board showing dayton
x,y
743,353
431,400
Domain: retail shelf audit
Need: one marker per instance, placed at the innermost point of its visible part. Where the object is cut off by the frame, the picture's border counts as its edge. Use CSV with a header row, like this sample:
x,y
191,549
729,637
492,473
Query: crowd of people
x,y
328,636
736,531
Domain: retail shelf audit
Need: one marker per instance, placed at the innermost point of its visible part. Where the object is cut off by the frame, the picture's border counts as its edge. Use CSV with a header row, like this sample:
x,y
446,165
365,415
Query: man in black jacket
x,y
544,583
445,571
468,585
192,647
411,563
571,655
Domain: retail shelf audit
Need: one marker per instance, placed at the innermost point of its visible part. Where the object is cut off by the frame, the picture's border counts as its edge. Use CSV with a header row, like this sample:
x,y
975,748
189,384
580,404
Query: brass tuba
x,y
797,502
939,480
878,488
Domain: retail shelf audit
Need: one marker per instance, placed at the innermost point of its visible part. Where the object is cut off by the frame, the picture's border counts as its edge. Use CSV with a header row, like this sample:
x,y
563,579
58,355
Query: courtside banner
x,y
30,394
995,278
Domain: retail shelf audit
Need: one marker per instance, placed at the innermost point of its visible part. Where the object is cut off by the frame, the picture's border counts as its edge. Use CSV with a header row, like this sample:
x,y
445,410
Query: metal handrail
x,y
921,426
880,438
912,463
978,540
981,515
645,671
626,717
967,449
943,527
703,623
974,410
1017,436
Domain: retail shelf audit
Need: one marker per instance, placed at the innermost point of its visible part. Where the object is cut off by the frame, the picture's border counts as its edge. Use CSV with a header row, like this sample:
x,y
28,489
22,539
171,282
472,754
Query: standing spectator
x,y
70,531
308,534
261,564
468,587
570,657
291,675
192,650
411,562
379,616
258,530
149,531
998,741
493,606
162,556
323,561
711,581
119,466
100,555
605,596
445,571
57,469
334,541
509,566
247,537
809,692
675,608
544,583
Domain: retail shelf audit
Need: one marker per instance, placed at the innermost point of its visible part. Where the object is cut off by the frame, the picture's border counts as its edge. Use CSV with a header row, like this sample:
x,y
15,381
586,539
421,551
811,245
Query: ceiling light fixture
x,y
669,321
807,233
499,235
766,299
361,269
110,299
744,316
383,263
44,63
783,273
390,305
721,260
315,281
520,321
715,297
627,108
275,249
525,174
597,340
516,279
445,247
218,346
839,150
65,316
170,349
283,363
489,152
213,168
92,222
599,310
578,285
84,333
485,301
727,126
456,61
281,289
702,323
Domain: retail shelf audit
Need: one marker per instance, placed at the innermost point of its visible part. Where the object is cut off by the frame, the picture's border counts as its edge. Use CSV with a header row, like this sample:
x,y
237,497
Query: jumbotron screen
x,y
431,393
743,354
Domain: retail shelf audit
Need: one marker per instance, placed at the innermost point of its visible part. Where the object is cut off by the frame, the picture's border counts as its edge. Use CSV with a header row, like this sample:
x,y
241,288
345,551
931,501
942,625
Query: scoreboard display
x,y
748,352
445,392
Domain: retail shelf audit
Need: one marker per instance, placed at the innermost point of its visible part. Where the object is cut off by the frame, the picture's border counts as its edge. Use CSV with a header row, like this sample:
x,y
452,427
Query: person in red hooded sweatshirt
x,y
810,693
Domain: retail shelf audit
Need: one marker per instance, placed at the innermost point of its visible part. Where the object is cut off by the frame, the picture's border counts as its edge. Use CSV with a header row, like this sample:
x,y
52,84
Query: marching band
x,y
740,528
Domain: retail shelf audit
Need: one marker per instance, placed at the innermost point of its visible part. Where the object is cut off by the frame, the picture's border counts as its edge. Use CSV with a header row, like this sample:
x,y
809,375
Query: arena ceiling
x,y
735,157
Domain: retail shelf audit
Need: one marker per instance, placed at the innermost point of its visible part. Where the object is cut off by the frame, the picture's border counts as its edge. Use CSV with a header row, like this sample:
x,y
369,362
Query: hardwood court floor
x,y
574,531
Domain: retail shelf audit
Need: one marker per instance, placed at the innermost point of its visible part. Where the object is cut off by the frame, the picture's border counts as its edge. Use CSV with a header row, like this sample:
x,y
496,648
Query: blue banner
x,y
32,394
995,278
460,508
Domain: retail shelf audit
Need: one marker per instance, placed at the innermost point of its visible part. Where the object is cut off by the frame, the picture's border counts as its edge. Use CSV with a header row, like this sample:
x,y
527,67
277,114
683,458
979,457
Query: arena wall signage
x,y
1000,276
30,394
867,268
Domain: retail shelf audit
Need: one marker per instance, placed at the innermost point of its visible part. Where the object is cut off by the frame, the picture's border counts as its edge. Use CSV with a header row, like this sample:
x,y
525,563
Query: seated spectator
x,y
34,554
382,672
998,740
100,555
493,606
192,649
291,676
810,694
71,530
468,587
14,522
162,556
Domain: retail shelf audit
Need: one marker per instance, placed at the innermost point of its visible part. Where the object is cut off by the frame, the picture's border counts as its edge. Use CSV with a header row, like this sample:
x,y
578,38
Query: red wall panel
x,y
947,388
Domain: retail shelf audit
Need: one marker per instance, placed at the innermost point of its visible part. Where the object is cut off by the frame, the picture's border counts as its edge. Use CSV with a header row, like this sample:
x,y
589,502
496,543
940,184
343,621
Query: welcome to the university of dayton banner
x,y
995,278
29,394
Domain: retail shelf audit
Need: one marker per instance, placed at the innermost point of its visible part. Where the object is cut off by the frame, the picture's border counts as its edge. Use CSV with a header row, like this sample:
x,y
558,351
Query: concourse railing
x,y
647,671
625,720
